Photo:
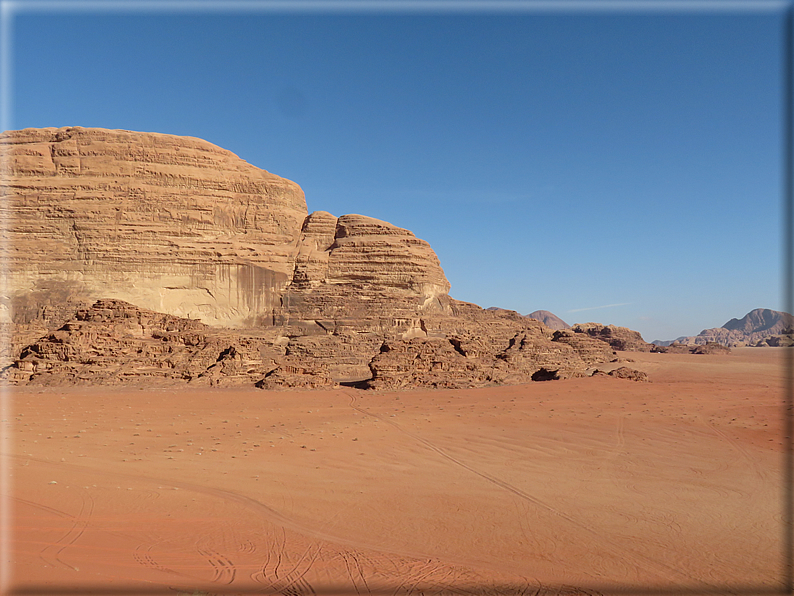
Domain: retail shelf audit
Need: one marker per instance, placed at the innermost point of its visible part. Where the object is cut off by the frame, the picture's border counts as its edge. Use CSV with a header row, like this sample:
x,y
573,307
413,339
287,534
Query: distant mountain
x,y
752,328
549,319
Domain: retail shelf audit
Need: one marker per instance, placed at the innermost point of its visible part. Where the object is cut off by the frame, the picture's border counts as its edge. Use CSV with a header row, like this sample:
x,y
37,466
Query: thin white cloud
x,y
597,307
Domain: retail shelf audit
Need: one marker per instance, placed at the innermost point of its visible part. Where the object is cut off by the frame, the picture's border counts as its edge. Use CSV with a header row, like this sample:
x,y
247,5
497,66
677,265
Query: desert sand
x,y
580,486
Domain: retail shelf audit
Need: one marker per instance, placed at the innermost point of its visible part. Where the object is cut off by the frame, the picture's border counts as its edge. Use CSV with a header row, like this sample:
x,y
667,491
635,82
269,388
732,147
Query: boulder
x,y
624,372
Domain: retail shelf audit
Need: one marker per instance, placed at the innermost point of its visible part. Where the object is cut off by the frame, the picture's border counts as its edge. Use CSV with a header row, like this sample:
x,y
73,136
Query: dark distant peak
x,y
549,319
760,319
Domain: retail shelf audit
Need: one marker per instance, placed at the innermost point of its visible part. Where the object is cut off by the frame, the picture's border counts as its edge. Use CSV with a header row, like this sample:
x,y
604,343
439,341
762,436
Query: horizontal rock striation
x,y
173,224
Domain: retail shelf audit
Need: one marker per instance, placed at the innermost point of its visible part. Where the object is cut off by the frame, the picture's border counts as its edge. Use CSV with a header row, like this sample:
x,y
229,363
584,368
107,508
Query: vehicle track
x,y
146,559
667,572
736,446
224,570
81,521
291,582
344,556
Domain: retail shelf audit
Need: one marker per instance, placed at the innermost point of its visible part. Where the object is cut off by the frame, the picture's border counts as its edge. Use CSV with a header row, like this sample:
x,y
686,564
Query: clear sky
x,y
620,166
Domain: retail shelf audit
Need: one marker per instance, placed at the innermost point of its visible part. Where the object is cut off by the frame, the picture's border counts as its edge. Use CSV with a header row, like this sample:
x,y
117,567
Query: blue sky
x,y
554,159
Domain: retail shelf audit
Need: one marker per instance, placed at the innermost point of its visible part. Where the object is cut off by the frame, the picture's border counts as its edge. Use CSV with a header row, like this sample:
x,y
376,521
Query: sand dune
x,y
581,486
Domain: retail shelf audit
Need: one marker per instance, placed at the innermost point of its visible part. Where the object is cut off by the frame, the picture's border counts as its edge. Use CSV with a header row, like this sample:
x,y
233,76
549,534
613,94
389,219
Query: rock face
x,y
549,319
172,224
180,226
143,257
620,338
752,329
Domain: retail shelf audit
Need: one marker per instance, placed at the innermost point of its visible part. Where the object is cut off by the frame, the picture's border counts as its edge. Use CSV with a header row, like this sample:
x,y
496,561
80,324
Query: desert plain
x,y
581,486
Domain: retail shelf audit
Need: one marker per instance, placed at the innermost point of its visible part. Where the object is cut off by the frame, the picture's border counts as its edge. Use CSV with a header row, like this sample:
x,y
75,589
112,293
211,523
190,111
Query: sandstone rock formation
x,y
143,257
620,338
486,347
708,348
752,329
172,224
549,319
180,226
114,342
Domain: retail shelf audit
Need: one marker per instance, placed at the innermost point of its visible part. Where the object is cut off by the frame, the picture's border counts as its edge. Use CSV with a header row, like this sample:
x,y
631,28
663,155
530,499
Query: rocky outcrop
x,y
624,372
620,338
359,274
486,347
137,257
114,342
708,348
592,350
180,226
549,319
752,329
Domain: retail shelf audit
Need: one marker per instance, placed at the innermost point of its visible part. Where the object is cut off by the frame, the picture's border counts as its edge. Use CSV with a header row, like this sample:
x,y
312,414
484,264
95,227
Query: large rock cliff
x,y
180,226
119,245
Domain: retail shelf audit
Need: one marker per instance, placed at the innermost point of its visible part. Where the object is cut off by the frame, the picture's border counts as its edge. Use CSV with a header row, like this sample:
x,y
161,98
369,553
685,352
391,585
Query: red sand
x,y
589,483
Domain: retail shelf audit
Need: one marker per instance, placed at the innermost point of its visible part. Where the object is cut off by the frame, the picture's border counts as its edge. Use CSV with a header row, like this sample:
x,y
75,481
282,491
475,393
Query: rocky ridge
x,y
114,342
752,329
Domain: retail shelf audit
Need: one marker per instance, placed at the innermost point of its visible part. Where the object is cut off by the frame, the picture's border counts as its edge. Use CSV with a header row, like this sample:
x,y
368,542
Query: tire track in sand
x,y
292,582
736,446
80,523
224,571
665,571
144,558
